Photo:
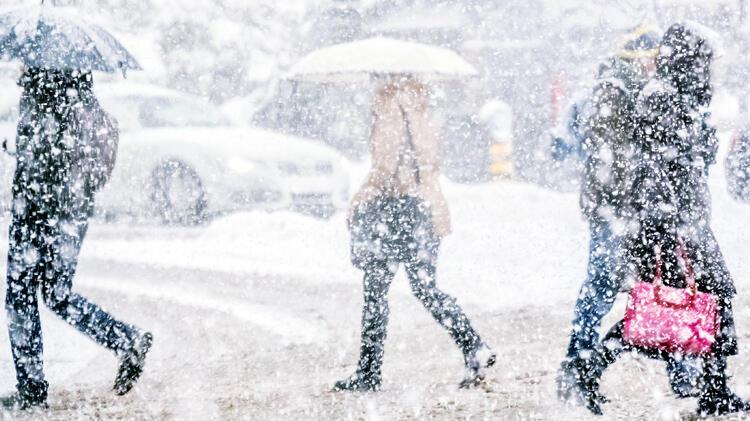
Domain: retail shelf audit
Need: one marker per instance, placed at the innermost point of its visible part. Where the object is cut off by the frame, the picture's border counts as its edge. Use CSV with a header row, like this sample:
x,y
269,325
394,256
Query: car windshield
x,y
137,112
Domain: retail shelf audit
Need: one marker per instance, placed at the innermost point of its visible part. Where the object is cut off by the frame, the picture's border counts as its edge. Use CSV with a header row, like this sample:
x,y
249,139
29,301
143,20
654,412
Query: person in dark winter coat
x,y
400,216
65,151
608,127
670,204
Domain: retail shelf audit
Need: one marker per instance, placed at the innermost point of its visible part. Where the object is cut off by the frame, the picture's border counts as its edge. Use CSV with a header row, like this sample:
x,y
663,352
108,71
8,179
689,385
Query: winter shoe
x,y
29,394
578,383
722,403
717,398
359,382
131,363
476,361
567,382
22,402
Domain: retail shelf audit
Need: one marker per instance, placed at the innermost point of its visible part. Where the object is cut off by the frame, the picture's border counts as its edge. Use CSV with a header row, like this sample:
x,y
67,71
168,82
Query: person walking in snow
x,y
670,203
608,127
65,151
398,216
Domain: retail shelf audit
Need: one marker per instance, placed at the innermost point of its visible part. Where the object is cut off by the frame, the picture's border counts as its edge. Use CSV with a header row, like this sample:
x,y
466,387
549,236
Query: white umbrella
x,y
356,61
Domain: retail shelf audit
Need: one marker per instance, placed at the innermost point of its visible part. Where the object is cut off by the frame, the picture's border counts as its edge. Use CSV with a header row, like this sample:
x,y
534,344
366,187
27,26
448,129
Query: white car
x,y
180,159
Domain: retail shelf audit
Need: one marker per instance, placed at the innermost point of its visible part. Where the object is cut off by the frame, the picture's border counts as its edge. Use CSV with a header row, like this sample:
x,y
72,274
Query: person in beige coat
x,y
400,215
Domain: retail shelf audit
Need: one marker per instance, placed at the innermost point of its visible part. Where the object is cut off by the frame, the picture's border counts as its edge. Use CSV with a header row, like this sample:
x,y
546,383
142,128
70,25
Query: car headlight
x,y
241,165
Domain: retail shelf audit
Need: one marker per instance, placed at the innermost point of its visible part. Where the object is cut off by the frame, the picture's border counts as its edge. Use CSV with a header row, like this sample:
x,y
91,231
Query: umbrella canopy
x,y
58,38
356,61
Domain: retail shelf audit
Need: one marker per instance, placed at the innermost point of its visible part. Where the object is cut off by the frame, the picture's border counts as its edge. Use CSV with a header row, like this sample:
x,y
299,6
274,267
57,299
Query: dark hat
x,y
641,42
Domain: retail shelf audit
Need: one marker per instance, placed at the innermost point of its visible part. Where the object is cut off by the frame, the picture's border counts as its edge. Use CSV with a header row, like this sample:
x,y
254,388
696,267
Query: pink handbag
x,y
671,319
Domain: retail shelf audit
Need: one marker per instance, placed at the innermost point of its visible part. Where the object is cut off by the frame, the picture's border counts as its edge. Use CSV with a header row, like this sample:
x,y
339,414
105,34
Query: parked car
x,y
737,165
180,159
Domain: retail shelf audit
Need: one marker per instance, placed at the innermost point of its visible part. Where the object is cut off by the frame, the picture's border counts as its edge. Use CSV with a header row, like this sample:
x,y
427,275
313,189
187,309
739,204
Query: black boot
x,y
717,398
29,395
132,361
578,381
359,382
476,361
589,372
367,378
567,381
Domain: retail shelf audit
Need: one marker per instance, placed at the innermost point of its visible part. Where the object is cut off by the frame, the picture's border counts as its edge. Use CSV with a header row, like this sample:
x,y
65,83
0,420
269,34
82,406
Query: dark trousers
x,y
43,255
708,377
390,232
597,297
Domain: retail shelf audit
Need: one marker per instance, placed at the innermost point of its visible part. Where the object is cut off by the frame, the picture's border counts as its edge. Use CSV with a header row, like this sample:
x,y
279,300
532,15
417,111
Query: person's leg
x,y
685,374
590,366
421,271
443,307
716,397
378,275
87,317
129,343
595,299
24,327
598,292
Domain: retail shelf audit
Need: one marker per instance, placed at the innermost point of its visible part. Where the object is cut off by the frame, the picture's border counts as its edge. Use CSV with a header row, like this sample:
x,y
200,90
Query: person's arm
x,y
709,143
606,128
384,150
426,141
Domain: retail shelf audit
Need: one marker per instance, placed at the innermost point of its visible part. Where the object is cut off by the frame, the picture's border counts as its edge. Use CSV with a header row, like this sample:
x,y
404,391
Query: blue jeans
x,y
43,257
596,298
598,292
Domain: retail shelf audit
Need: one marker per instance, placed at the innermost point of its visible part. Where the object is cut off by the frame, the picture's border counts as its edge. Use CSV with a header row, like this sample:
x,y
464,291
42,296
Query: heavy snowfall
x,y
225,227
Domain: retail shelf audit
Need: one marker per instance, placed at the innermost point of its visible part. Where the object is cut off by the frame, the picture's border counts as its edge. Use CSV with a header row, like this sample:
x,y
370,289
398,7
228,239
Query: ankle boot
x,y
359,382
367,378
476,361
589,372
716,397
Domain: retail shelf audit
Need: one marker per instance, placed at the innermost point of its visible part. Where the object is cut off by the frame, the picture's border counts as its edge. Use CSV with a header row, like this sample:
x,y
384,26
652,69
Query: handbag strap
x,y
688,267
411,149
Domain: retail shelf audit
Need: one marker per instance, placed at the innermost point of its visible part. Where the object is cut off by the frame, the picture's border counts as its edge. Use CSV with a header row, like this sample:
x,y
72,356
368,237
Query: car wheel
x,y
178,194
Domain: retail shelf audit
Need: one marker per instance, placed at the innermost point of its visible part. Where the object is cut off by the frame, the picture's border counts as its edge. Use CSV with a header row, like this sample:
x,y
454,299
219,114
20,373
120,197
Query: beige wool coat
x,y
394,161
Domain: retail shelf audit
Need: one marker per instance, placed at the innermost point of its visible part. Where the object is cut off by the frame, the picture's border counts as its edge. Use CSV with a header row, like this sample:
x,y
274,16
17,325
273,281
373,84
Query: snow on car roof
x,y
140,89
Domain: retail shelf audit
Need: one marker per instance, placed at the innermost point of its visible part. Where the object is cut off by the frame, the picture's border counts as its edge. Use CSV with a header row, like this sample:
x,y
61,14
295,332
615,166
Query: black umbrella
x,y
58,38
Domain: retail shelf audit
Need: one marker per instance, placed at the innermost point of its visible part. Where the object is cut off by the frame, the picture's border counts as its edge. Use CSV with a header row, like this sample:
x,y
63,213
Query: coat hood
x,y
684,60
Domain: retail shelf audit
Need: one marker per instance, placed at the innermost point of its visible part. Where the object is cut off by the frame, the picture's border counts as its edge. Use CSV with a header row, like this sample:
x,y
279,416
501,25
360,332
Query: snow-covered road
x,y
256,315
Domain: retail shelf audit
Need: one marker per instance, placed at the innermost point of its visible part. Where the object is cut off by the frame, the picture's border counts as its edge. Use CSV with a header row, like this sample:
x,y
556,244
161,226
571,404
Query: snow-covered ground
x,y
256,315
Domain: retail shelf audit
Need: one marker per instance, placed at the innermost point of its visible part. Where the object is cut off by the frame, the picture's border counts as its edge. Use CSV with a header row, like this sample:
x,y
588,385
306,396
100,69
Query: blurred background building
x,y
534,56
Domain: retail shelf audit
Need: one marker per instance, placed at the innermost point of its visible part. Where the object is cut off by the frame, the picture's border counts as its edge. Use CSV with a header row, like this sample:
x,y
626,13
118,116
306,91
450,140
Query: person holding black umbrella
x,y
65,152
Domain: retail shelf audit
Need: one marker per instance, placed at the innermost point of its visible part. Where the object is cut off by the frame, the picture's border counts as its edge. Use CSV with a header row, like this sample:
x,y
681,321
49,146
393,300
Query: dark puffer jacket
x,y
670,199
608,133
66,145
